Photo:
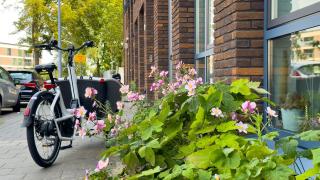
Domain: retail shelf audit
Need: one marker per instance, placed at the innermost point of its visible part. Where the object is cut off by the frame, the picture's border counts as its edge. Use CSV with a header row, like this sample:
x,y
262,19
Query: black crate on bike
x,y
108,92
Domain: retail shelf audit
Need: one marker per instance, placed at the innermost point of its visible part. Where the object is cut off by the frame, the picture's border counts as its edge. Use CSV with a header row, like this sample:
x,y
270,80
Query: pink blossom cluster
x,y
131,96
90,92
118,123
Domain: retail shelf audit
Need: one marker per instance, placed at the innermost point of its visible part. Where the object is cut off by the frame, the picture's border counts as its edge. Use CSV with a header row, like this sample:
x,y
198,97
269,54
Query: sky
x,y
9,13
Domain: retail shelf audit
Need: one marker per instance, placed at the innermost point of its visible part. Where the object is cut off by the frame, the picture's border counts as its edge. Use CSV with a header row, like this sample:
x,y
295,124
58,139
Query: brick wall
x,y
183,31
238,39
161,43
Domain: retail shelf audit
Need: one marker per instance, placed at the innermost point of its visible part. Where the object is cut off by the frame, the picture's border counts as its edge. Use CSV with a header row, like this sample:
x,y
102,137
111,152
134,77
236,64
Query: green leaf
x,y
267,100
146,173
205,141
164,111
228,140
187,149
228,126
219,159
316,156
188,173
312,135
199,119
150,156
288,145
142,151
255,87
281,172
204,175
176,171
154,144
309,173
131,160
200,159
258,151
240,87
206,129
270,136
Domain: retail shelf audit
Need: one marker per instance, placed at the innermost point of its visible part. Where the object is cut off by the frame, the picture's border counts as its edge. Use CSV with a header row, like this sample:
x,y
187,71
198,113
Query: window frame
x,y
308,10
208,48
279,28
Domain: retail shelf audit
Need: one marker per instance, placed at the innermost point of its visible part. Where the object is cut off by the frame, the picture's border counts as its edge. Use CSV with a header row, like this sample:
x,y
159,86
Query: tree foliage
x,y
82,20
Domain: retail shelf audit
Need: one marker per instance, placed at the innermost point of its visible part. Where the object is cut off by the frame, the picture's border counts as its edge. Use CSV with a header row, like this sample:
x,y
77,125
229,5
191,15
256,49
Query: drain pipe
x,y
170,41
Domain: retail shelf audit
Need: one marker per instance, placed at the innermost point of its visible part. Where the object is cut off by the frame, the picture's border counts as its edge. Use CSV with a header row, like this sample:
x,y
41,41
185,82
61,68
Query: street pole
x,y
59,41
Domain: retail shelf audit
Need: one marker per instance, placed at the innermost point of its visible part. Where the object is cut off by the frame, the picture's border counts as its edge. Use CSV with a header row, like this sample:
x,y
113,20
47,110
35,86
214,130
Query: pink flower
x,y
141,97
242,127
124,89
120,105
87,175
164,73
94,104
234,116
92,116
248,107
118,120
82,132
132,96
179,65
80,112
77,124
199,81
110,118
186,78
90,92
191,86
192,72
271,112
216,112
102,164
99,126
113,132
126,125
153,70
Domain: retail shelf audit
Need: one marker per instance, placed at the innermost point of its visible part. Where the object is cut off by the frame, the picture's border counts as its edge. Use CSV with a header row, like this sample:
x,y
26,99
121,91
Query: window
x,y
204,40
295,80
4,75
210,67
201,69
27,62
20,62
8,51
20,53
27,54
282,11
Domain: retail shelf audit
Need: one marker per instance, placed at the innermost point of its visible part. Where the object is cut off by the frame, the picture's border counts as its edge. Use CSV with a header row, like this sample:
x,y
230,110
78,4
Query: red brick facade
x,y
238,44
238,50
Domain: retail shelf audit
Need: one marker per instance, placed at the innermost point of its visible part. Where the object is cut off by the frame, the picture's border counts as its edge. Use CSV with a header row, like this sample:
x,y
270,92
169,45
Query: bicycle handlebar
x,y
54,45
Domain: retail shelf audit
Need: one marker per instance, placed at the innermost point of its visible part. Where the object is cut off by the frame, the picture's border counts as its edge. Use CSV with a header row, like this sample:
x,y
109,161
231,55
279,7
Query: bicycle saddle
x,y
45,68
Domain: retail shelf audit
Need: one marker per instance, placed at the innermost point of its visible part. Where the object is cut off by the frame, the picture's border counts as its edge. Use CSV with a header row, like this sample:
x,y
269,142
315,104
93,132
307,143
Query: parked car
x,y
305,69
29,82
9,92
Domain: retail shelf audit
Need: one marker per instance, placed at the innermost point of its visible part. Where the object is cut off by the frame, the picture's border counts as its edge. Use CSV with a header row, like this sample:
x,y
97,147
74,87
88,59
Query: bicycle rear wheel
x,y
43,141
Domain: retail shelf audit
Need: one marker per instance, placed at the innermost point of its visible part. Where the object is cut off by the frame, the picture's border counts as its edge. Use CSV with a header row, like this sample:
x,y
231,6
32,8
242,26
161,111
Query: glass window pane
x,y
201,68
283,7
210,23
295,79
200,26
210,69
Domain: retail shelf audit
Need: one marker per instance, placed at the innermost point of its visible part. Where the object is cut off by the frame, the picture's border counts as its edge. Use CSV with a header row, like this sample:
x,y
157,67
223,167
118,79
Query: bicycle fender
x,y
30,111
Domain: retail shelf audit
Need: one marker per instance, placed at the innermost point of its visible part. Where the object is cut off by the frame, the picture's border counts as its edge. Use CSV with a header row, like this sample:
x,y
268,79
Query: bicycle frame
x,y
66,115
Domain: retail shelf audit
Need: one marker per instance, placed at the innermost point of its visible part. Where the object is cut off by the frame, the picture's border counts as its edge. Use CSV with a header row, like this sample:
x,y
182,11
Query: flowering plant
x,y
198,131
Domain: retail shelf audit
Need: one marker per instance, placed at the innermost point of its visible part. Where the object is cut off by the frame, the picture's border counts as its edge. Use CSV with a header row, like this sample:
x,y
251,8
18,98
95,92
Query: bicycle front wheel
x,y
43,141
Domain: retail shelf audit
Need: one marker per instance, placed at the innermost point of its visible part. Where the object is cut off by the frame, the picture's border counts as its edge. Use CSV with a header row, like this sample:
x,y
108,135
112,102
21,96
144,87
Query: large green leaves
x,y
200,159
240,87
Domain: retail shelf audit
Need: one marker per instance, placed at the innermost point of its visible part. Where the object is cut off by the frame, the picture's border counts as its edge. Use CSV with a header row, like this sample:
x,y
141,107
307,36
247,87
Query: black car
x,y
29,82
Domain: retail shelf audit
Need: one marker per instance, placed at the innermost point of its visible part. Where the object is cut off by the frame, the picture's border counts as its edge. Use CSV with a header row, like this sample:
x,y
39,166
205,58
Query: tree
x,y
36,20
82,20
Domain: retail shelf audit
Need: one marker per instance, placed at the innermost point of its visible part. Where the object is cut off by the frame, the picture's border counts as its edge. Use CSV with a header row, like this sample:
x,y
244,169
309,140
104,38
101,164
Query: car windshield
x,y
22,77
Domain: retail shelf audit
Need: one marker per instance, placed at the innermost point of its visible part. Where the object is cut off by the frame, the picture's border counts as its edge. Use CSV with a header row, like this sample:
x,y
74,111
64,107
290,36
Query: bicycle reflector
x,y
26,112
48,85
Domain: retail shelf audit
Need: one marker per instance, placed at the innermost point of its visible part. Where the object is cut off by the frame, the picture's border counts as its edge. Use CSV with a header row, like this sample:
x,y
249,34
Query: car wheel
x,y
16,108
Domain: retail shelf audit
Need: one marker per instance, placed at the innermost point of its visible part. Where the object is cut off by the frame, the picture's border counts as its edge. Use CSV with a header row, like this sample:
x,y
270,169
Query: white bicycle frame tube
x,y
58,97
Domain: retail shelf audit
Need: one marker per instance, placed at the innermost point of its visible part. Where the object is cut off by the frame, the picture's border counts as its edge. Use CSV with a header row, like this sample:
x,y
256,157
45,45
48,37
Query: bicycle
x,y
46,118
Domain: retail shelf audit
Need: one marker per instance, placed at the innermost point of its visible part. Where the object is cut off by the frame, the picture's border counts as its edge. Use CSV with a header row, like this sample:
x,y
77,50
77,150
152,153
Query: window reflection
x,y
200,67
284,7
295,79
